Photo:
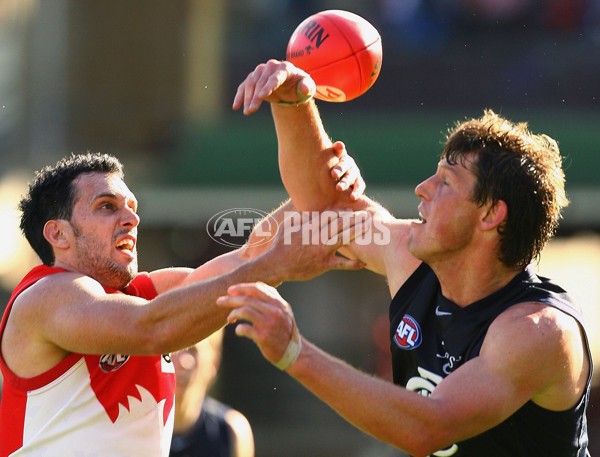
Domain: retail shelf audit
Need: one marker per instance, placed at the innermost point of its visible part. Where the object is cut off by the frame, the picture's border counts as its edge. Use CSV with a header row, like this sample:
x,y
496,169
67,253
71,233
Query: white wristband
x,y
290,355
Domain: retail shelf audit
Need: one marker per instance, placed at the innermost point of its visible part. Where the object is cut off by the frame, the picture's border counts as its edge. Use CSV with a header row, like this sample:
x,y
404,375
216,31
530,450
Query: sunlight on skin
x,y
574,263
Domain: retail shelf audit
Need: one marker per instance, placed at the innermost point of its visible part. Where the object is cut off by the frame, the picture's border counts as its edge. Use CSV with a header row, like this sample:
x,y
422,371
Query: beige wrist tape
x,y
291,353
302,99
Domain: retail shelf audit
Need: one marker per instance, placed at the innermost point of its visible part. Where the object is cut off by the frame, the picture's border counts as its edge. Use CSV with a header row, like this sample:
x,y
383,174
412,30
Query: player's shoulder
x,y
537,329
536,315
37,302
549,348
242,432
58,284
52,292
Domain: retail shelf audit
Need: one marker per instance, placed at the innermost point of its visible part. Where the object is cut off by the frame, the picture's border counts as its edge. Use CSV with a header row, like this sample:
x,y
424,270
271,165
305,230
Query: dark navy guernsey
x,y
432,336
211,435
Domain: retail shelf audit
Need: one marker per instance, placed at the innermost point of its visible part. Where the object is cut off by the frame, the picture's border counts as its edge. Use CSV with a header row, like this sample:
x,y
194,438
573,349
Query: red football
x,y
340,50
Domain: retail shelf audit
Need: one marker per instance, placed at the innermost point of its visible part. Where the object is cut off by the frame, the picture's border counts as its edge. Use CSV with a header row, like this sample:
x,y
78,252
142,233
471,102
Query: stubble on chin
x,y
113,275
125,275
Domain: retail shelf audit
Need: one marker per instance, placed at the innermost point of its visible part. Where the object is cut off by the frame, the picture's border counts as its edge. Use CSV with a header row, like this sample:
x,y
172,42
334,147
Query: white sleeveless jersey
x,y
89,405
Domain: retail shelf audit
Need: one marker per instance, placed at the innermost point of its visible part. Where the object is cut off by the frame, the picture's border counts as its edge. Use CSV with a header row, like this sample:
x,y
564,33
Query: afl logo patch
x,y
408,334
112,362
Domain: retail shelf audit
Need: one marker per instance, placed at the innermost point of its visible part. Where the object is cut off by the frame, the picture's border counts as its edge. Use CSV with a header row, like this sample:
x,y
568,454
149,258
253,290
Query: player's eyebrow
x,y
114,196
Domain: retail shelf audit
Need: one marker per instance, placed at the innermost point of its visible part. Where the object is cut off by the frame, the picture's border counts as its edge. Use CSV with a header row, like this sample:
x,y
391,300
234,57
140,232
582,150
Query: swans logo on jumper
x,y
408,334
112,362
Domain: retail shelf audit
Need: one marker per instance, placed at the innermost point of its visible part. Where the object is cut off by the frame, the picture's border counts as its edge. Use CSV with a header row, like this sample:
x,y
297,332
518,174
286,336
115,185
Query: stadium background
x,y
152,82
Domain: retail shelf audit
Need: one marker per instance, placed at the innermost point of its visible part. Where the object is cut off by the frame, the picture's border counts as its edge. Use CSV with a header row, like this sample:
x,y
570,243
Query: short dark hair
x,y
51,195
520,168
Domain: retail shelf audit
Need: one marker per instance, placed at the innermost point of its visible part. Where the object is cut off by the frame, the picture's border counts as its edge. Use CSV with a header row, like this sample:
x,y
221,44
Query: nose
x,y
422,188
130,217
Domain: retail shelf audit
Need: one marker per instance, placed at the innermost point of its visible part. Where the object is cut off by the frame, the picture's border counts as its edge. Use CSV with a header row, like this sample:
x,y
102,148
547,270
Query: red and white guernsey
x,y
89,405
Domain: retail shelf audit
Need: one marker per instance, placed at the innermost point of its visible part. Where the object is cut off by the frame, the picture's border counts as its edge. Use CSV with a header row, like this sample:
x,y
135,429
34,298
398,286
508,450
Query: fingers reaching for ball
x,y
340,50
332,55
275,82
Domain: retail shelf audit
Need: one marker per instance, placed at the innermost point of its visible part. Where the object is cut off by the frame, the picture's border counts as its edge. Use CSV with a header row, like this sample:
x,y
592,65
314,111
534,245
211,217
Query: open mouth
x,y
125,245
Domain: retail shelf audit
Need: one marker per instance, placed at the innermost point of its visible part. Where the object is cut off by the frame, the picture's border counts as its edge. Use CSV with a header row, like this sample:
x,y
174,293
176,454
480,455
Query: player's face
x,y
195,367
448,214
104,229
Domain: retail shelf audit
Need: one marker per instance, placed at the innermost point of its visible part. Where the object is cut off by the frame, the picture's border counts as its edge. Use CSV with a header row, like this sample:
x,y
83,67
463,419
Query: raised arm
x,y
307,161
306,157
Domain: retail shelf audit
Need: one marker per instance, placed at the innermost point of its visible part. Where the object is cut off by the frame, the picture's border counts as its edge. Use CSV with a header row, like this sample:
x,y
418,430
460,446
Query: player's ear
x,y
55,233
495,216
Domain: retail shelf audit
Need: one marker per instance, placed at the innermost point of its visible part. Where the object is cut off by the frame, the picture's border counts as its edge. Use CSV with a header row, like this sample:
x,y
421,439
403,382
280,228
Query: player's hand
x,y
346,172
274,81
262,315
306,243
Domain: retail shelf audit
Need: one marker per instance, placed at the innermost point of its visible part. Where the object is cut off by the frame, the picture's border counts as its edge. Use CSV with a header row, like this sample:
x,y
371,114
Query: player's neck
x,y
466,283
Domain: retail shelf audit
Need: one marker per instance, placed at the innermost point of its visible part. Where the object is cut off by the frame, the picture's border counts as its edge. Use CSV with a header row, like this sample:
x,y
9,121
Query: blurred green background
x,y
152,82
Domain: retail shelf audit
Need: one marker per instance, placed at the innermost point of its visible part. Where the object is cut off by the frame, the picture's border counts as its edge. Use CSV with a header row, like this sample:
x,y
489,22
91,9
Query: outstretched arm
x,y
306,156
475,397
307,163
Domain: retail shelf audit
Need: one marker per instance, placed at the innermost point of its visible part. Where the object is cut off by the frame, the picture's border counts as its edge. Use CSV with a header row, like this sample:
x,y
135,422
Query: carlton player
x,y
489,359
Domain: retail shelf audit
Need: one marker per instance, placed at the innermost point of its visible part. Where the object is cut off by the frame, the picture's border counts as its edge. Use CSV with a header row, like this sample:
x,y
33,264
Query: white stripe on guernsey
x,y
65,418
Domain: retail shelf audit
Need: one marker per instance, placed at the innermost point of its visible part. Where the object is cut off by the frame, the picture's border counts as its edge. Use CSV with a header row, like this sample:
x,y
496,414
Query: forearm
x,y
386,411
305,161
215,267
187,314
